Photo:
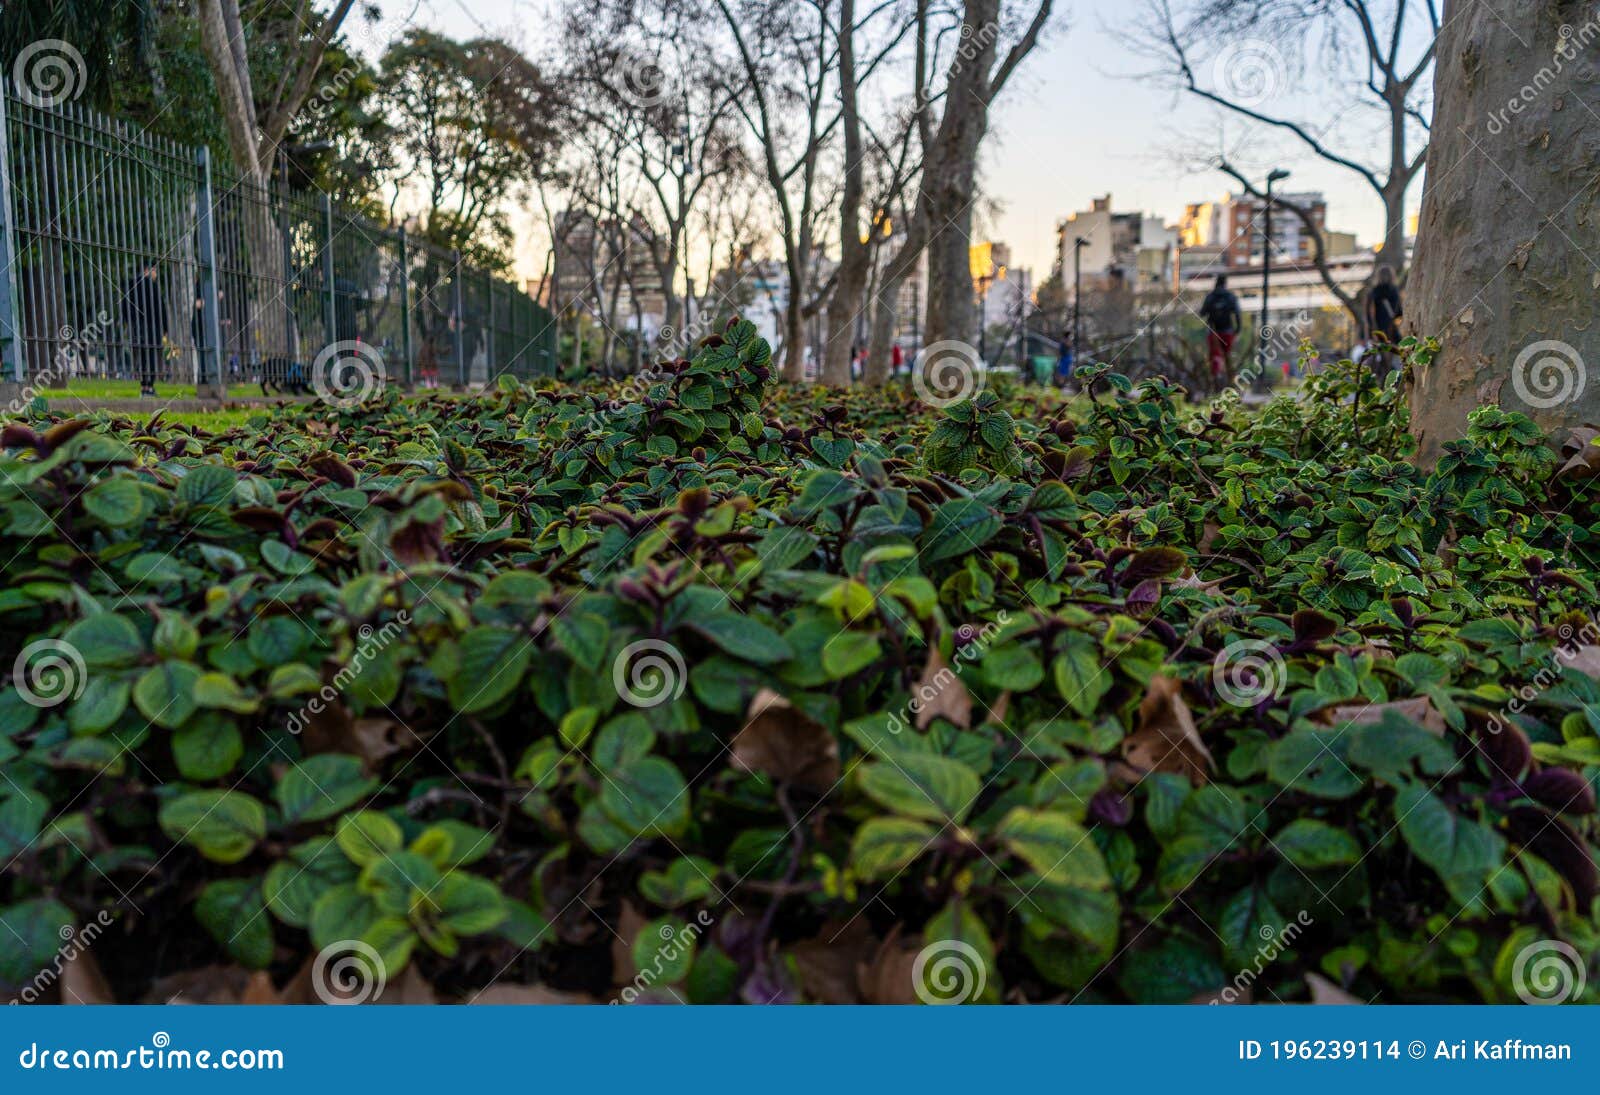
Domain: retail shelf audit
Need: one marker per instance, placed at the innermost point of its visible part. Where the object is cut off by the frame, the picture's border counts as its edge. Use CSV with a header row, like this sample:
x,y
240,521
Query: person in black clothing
x,y
144,321
1220,310
1384,313
1383,307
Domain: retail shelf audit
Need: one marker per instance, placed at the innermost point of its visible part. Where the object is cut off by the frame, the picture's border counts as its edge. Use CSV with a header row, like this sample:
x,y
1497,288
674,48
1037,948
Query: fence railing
x,y
129,256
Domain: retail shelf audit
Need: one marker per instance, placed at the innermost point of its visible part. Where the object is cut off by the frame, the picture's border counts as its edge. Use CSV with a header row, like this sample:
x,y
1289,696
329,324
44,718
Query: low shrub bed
x,y
696,688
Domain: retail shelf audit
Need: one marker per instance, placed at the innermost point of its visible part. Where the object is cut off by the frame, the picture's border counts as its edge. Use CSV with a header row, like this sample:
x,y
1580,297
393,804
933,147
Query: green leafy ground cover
x,y
702,689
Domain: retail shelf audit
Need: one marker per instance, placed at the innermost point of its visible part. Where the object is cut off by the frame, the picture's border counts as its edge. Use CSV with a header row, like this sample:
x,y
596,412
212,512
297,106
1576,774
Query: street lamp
x,y
1266,279
1078,245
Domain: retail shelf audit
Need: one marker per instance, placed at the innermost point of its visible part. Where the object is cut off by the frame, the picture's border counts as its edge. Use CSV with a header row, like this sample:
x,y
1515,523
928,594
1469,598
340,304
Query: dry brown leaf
x,y
332,730
887,979
1324,991
1419,709
783,743
202,985
1193,581
83,983
260,990
941,695
409,988
624,932
828,964
1585,460
1167,739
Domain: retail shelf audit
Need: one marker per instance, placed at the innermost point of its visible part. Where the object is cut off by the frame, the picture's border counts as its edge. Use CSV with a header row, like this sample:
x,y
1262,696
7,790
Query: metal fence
x,y
127,256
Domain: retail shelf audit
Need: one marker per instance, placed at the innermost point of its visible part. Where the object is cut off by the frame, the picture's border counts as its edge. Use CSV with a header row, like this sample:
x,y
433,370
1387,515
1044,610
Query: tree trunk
x,y
1500,276
855,257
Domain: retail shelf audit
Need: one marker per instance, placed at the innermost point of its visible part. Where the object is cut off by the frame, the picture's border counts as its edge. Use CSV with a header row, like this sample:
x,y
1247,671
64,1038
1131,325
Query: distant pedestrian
x,y
1220,310
1066,357
144,322
1384,312
897,358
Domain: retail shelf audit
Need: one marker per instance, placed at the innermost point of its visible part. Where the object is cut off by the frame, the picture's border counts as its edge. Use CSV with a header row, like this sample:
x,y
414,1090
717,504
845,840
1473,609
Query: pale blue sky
x,y
1077,122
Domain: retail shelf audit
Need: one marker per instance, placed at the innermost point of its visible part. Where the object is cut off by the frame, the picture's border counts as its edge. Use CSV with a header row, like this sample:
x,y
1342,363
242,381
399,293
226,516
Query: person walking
x,y
1220,311
144,321
1384,312
1066,357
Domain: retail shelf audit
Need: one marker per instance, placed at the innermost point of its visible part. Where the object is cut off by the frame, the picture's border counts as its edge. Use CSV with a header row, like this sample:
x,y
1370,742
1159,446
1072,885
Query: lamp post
x,y
1078,245
1266,280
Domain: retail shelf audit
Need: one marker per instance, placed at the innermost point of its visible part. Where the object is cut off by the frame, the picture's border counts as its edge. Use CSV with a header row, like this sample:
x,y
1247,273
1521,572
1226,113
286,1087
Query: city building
x,y
1136,250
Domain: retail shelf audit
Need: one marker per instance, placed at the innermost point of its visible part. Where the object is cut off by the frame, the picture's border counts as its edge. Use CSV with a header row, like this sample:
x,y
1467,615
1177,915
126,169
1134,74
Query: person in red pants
x,y
1220,310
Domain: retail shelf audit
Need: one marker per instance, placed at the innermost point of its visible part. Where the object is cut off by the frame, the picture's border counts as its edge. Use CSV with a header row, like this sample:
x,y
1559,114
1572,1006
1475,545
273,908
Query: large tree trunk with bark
x,y
1501,275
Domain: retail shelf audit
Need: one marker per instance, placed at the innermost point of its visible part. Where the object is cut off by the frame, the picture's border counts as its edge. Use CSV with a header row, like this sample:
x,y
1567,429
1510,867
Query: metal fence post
x,y
12,367
489,367
461,318
327,269
209,379
405,309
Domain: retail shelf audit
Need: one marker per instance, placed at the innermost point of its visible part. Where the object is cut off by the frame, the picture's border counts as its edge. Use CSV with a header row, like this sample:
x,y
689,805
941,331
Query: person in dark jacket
x,y
1220,310
144,323
1384,312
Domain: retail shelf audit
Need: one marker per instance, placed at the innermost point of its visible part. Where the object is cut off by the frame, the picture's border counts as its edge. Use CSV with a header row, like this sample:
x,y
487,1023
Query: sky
x,y
1080,120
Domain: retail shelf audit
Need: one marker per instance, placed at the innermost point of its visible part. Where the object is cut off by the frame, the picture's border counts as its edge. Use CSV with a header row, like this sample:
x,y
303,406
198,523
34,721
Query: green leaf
x,y
1055,846
292,885
321,786
647,798
207,747
1314,845
1080,677
492,663
664,949
116,502
165,694
224,826
368,836
231,910
885,845
958,527
743,637
849,652
930,787
33,931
